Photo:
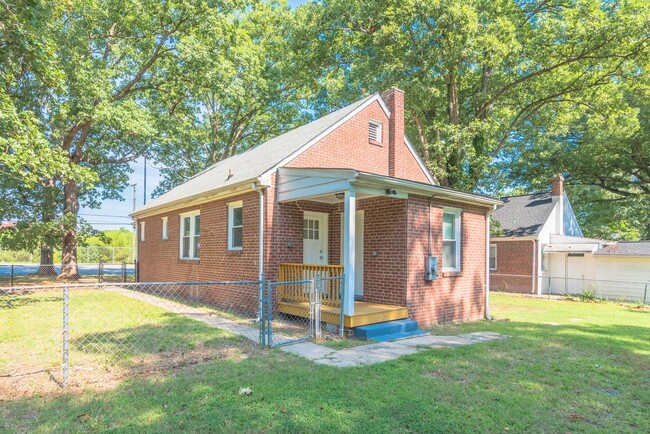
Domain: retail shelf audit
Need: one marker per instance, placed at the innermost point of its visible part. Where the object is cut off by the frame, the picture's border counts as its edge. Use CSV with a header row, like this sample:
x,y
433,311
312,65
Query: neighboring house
x,y
618,270
542,250
517,262
345,194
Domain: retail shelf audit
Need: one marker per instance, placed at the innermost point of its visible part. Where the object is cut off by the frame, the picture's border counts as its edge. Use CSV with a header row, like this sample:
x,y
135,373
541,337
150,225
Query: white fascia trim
x,y
207,196
505,238
428,190
423,166
375,98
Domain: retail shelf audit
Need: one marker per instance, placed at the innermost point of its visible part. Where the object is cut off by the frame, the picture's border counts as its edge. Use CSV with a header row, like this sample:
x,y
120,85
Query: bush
x,y
588,293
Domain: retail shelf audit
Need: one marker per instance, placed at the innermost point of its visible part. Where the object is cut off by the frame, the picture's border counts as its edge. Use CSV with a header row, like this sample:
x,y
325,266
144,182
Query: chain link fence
x,y
95,335
615,290
302,310
608,289
34,274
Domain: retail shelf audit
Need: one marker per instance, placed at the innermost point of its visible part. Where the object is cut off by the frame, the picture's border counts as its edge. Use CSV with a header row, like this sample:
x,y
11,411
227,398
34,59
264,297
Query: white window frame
x,y
164,228
495,257
183,216
458,238
231,207
142,232
380,130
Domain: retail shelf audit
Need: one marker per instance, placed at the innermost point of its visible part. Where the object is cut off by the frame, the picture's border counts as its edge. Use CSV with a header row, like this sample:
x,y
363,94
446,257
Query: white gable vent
x,y
374,131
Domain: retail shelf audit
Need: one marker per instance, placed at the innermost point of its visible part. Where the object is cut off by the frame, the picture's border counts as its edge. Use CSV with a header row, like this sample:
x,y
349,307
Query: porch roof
x,y
322,185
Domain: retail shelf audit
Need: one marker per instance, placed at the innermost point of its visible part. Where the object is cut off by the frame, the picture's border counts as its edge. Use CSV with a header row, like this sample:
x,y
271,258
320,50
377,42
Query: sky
x,y
114,214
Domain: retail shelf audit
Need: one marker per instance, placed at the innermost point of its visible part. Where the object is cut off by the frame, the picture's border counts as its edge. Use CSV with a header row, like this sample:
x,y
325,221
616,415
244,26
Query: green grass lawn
x,y
566,367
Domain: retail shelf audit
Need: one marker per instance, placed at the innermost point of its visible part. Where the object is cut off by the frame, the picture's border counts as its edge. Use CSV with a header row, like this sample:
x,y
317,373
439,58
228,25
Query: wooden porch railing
x,y
298,293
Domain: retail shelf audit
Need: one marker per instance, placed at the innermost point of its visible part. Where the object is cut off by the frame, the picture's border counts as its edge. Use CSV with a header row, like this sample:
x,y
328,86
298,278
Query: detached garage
x,y
615,271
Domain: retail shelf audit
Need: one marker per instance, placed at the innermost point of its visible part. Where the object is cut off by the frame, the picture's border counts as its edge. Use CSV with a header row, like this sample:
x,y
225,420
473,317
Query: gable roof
x,y
630,248
524,216
253,163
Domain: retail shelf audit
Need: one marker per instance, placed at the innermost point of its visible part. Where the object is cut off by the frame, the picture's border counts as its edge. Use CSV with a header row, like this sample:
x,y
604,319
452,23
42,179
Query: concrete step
x,y
389,330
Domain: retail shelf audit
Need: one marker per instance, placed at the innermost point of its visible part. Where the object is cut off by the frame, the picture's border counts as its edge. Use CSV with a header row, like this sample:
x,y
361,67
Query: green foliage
x,y
114,238
235,90
483,77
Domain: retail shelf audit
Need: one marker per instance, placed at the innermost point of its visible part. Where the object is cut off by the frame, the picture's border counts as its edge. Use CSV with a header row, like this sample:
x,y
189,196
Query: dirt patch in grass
x,y
91,374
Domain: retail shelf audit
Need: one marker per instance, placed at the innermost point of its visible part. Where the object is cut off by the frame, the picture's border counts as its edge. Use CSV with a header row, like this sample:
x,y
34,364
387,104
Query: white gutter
x,y
197,199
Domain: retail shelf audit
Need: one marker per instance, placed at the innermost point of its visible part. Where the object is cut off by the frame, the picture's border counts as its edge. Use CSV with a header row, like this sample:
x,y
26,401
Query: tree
x,y
606,161
482,77
113,62
237,88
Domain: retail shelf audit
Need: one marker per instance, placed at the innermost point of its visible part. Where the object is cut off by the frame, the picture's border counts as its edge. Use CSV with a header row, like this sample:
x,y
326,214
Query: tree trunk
x,y
46,267
69,269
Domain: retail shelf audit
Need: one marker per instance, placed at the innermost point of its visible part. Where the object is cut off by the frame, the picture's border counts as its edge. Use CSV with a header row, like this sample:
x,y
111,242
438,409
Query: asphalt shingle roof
x,y
637,248
253,162
523,216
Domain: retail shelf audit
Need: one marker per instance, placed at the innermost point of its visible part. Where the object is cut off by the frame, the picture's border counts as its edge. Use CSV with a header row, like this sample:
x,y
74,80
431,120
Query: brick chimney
x,y
557,189
557,196
394,99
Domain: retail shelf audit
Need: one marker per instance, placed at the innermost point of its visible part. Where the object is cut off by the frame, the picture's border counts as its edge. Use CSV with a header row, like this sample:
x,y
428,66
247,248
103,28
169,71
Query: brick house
x,y
346,194
519,257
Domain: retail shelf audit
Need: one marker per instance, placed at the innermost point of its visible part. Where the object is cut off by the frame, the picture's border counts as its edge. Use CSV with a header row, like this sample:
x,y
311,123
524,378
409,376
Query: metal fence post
x,y
260,313
269,313
66,335
645,294
342,316
317,295
12,275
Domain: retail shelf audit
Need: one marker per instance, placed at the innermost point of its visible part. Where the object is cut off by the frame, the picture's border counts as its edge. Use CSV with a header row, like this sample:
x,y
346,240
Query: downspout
x,y
260,190
487,263
532,288
430,236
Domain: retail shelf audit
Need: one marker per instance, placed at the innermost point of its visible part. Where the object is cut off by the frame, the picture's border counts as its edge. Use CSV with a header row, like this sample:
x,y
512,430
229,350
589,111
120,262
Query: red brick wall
x,y
452,297
384,233
159,259
514,271
348,147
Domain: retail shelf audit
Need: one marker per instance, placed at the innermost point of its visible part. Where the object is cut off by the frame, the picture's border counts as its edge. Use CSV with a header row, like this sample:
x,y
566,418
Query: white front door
x,y
314,238
358,253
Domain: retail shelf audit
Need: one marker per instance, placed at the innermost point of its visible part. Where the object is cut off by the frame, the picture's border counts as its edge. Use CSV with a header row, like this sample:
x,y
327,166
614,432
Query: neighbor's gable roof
x,y
632,248
255,162
524,216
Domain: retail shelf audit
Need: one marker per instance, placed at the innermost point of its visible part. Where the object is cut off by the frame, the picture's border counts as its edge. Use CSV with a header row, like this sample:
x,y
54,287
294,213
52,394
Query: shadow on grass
x,y
171,333
544,378
24,299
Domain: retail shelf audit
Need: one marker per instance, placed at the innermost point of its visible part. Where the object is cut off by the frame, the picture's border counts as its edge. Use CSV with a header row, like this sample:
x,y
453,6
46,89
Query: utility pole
x,y
145,179
133,237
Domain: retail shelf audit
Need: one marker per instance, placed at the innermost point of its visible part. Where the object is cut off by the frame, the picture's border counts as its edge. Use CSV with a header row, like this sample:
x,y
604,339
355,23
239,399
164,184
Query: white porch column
x,y
349,243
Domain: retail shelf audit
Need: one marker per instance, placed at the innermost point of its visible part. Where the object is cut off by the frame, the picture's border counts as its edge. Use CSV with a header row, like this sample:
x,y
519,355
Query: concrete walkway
x,y
357,356
384,351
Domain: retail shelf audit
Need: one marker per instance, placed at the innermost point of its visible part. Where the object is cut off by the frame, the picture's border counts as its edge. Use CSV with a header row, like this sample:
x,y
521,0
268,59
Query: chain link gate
x,y
286,322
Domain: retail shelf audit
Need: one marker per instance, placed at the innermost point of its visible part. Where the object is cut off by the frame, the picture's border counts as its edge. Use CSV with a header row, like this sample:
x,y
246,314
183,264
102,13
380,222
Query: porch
x,y
293,299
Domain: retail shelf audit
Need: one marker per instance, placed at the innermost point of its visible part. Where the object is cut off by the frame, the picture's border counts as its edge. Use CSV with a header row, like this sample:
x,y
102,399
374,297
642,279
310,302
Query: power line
x,y
106,215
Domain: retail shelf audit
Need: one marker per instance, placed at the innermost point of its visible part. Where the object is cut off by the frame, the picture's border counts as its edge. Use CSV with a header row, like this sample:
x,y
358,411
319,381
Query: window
x,y
374,131
141,231
191,235
493,256
451,240
311,229
164,228
235,225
